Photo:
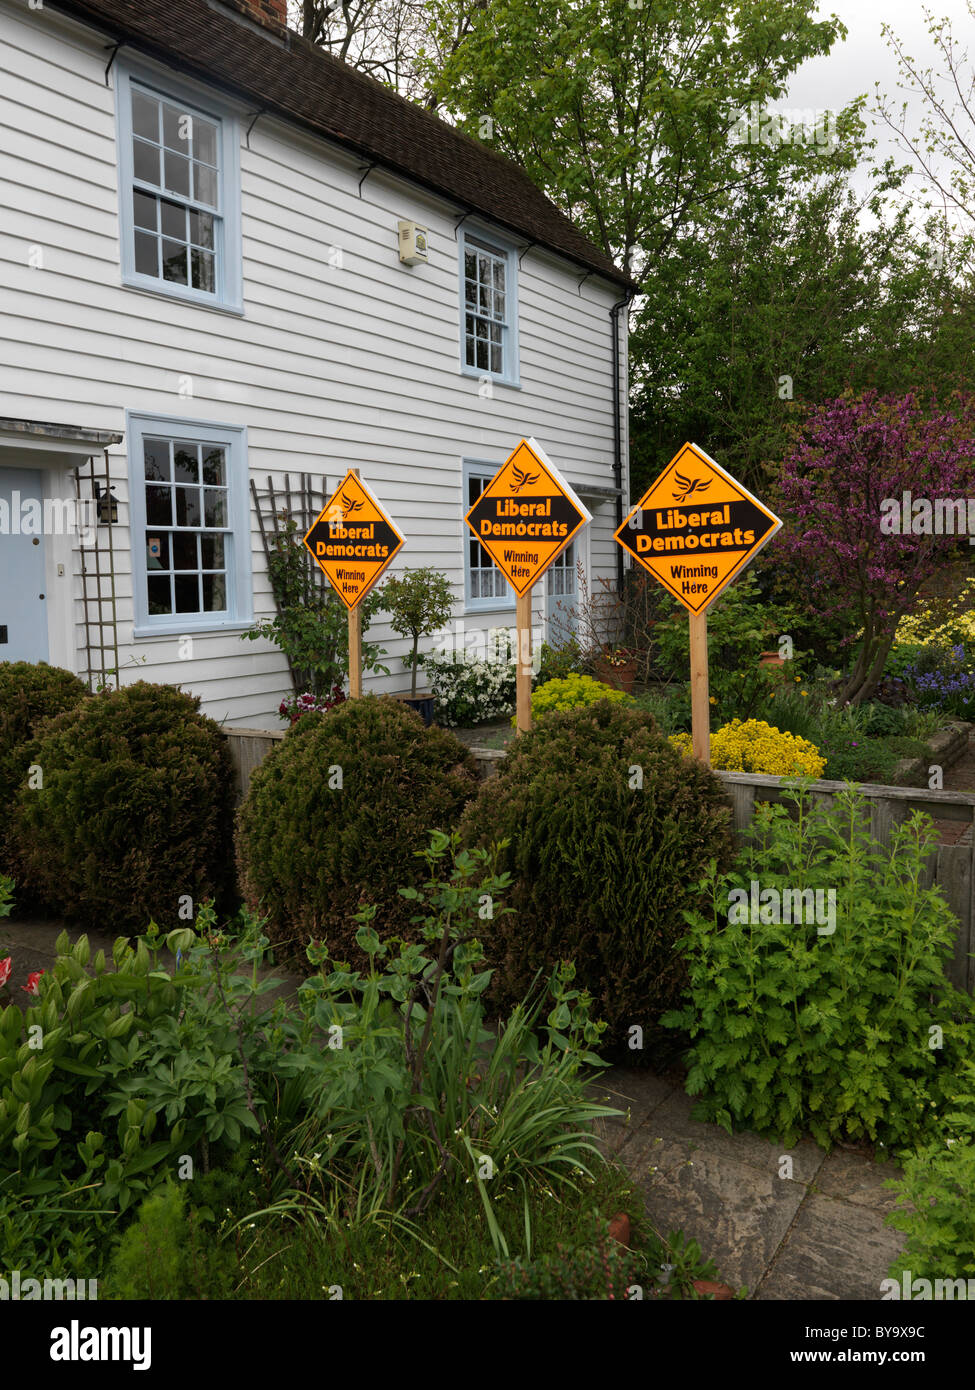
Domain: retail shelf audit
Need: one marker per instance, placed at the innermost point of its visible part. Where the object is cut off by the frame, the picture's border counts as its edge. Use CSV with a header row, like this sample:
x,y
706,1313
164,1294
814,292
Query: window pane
x,y
211,548
177,129
214,593
145,159
215,507
202,265
187,506
160,600
177,174
173,219
184,551
147,254
145,115
174,262
201,229
187,590
144,210
159,507
205,184
187,460
496,364
204,141
214,471
156,457
157,550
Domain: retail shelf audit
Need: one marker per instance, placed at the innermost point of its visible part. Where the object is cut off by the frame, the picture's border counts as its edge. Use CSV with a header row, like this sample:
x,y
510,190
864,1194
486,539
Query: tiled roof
x,y
284,74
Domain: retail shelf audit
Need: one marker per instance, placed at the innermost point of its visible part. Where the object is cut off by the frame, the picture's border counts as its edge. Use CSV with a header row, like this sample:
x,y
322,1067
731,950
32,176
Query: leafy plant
x,y
415,1094
471,689
168,1253
310,626
842,1024
419,602
335,814
934,1197
609,831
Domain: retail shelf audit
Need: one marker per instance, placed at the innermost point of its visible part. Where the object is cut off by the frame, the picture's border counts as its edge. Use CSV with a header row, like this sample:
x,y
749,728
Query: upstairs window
x,y
489,297
179,191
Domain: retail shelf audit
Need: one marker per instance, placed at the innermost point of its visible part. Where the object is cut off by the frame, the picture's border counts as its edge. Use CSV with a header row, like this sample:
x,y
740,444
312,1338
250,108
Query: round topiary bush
x,y
29,694
610,830
134,813
335,815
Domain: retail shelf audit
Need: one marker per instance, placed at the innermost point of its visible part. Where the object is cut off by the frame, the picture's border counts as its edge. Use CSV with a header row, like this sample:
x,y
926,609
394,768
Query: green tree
x,y
419,602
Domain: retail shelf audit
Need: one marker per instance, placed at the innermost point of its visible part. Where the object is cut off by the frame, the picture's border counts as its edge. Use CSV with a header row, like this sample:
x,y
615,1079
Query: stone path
x,y
818,1234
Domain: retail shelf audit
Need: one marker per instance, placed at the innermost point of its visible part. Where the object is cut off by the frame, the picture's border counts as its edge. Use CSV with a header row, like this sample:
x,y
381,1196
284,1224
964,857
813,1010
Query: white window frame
x,y
227,294
240,607
485,471
476,238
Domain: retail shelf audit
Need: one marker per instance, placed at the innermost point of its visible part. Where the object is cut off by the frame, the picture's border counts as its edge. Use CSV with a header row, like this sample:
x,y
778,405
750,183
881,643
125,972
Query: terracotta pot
x,y
719,1292
619,677
770,659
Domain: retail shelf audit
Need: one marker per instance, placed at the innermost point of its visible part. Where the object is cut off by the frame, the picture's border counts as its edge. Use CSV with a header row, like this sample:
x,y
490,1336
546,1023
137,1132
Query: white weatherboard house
x,y
205,284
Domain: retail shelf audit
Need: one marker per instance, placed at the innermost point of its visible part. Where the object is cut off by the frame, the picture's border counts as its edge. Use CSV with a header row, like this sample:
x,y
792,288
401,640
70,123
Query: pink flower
x,y
5,968
32,981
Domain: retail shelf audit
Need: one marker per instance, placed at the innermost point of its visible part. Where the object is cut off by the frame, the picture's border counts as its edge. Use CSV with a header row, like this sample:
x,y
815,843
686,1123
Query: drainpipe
x,y
614,322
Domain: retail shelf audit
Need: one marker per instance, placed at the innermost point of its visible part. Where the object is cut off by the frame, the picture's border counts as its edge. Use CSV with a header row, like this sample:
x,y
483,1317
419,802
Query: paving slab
x,y
738,1214
810,1230
836,1250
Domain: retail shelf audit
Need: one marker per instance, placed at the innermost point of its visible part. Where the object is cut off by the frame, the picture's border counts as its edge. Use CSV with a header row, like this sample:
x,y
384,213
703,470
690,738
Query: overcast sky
x,y
865,58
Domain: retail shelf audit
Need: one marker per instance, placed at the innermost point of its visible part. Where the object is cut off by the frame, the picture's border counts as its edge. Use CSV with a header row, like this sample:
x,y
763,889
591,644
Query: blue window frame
x,y
179,192
190,525
485,587
489,308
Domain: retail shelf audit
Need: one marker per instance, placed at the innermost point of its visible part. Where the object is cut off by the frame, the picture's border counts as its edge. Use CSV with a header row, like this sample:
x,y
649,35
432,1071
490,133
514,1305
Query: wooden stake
x,y
355,653
523,680
355,645
700,706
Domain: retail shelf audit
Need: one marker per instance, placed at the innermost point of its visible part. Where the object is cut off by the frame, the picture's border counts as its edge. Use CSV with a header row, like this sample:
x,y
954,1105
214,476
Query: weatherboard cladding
x,y
287,76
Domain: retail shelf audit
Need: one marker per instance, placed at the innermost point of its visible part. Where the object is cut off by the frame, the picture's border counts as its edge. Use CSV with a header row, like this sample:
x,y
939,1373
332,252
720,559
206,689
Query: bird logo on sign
x,y
522,478
689,486
350,505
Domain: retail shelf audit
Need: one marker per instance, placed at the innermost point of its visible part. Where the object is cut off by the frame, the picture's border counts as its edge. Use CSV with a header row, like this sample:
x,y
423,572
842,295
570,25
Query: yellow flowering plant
x,y
752,745
570,693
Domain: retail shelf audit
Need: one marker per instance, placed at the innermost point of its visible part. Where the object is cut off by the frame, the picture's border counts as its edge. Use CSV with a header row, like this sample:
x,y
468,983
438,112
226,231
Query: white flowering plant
x,y
470,690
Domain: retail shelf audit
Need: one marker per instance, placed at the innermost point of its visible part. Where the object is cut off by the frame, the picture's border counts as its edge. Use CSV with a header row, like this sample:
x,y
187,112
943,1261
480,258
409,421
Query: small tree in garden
x,y
854,458
419,602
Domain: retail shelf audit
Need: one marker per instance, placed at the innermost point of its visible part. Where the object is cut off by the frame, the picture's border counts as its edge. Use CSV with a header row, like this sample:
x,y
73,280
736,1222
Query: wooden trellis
x,y
96,575
300,499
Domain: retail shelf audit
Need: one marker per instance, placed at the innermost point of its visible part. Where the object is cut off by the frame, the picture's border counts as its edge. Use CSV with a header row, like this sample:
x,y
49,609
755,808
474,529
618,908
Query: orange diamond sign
x,y
526,515
696,528
353,540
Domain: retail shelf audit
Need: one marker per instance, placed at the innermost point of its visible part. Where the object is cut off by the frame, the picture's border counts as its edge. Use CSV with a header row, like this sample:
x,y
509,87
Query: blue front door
x,y
23,607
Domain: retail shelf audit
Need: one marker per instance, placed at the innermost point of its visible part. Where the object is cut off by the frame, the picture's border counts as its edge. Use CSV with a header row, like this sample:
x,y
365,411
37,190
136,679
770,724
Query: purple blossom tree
x,y
846,544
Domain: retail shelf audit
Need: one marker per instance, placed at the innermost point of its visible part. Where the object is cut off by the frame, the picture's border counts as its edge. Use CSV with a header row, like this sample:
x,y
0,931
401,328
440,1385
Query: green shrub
x,y
555,663
29,694
935,1200
168,1253
571,692
610,831
336,814
829,1026
134,817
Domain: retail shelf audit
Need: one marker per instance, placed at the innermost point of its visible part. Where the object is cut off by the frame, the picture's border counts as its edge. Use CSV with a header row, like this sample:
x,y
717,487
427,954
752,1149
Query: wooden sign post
x,y
524,519
353,540
695,529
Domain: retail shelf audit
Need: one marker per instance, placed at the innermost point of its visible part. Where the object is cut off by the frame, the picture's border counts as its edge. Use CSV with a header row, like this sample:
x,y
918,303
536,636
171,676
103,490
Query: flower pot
x,y
423,703
770,659
619,677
